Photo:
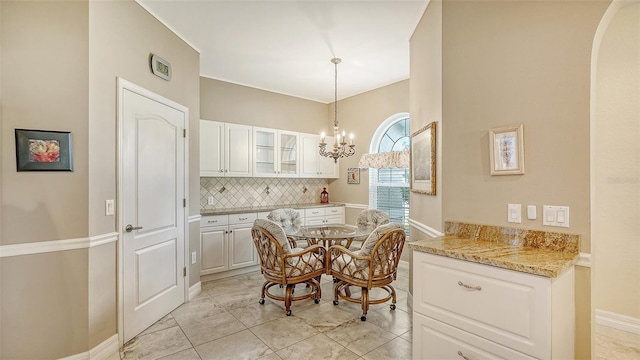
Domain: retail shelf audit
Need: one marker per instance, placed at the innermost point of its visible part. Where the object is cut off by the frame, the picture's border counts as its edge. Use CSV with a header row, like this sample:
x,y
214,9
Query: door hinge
x,y
184,271
184,133
184,203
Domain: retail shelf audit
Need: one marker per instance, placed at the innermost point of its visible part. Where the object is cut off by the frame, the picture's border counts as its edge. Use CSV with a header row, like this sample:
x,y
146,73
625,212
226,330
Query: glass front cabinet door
x,y
275,153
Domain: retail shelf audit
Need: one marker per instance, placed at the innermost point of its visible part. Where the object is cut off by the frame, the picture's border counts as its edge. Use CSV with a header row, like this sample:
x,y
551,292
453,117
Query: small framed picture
x,y
39,150
423,160
353,176
506,150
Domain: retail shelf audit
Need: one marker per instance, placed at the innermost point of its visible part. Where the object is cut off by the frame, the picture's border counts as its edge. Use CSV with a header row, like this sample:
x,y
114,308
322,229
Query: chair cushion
x,y
289,219
375,236
371,219
278,233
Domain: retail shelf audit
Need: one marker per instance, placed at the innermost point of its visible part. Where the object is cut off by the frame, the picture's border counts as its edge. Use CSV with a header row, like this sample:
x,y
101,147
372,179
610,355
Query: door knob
x,y
130,228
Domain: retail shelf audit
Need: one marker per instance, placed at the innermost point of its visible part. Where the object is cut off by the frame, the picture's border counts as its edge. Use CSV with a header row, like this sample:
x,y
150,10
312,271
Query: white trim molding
x,y
103,239
584,260
356,206
41,247
425,229
103,351
194,218
618,321
195,290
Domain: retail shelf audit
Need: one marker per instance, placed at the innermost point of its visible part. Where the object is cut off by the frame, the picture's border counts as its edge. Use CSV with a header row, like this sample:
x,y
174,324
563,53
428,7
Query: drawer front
x,y
242,218
504,306
335,219
263,215
317,211
335,210
435,340
314,221
216,220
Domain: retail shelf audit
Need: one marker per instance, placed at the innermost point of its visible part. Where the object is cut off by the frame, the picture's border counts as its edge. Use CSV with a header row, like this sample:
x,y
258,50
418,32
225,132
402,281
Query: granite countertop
x,y
247,209
541,253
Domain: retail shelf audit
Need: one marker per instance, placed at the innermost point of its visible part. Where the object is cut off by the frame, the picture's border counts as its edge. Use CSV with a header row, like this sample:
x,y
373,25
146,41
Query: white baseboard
x,y
103,351
618,321
195,290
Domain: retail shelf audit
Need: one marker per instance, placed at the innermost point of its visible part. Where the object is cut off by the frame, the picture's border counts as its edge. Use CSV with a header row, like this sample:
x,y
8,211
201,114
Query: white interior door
x,y
151,193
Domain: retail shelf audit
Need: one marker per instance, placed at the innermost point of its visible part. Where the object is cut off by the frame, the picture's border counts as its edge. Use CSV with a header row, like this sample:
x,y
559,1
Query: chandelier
x,y
340,147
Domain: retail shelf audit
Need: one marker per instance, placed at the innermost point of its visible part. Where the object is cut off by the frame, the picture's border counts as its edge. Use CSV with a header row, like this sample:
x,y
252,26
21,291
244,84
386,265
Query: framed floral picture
x,y
423,160
506,150
39,150
353,176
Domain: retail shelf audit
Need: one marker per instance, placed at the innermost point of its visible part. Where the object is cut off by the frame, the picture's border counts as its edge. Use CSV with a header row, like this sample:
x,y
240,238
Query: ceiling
x,y
287,46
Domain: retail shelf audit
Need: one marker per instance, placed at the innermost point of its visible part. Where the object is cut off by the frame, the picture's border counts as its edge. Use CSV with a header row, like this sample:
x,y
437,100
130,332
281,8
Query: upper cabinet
x,y
312,165
225,149
275,153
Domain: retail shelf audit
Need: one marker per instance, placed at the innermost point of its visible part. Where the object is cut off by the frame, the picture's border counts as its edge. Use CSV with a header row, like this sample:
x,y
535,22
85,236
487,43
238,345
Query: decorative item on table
x,y
506,150
324,196
353,176
39,150
340,147
423,160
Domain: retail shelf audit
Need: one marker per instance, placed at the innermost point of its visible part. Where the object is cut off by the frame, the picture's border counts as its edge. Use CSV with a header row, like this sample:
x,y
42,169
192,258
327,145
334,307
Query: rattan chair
x,y
367,221
280,265
290,221
373,266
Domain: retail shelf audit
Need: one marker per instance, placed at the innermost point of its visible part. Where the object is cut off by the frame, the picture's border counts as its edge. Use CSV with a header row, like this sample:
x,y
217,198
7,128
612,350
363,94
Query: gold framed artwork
x,y
506,150
423,160
353,176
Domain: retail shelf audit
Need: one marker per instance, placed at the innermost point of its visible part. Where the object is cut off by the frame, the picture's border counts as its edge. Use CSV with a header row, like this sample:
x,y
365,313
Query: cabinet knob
x,y
221,170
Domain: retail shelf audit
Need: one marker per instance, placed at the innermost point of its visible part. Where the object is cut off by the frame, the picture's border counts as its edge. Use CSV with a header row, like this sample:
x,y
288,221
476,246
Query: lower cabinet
x,y
324,216
226,243
466,310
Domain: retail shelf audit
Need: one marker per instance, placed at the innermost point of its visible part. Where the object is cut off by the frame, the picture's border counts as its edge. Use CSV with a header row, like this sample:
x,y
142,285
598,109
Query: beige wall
x,y
511,62
59,64
361,115
227,102
45,81
426,106
616,207
123,35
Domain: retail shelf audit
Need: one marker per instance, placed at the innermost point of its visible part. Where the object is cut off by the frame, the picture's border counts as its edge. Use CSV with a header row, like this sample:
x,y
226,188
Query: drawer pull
x,y
212,221
477,288
463,356
242,219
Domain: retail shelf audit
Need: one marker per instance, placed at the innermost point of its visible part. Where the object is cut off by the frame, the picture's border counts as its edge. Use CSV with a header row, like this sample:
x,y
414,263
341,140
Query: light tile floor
x,y
616,344
226,322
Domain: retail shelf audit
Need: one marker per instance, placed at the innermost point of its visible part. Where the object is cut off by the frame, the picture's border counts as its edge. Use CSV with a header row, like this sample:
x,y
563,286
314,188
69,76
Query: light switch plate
x,y
555,216
210,200
532,212
514,213
109,207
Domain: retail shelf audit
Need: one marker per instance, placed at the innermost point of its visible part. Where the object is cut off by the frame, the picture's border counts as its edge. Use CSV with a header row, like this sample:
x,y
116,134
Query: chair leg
x,y
364,301
287,299
393,299
264,288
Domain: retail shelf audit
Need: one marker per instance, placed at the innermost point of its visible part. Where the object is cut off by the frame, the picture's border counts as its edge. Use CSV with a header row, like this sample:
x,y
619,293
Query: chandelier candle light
x,y
340,147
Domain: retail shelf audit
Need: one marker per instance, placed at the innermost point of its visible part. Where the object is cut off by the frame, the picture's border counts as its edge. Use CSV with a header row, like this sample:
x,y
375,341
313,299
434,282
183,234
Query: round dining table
x,y
328,235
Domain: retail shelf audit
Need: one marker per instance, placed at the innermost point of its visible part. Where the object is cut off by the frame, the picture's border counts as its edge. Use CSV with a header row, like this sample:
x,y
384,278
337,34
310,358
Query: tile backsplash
x,y
245,192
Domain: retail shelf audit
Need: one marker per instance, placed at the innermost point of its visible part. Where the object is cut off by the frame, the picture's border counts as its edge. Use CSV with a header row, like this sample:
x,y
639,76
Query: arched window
x,y
389,187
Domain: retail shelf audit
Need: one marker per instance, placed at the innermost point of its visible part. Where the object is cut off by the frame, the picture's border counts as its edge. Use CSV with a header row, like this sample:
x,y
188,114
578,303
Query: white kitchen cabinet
x,y
242,252
312,165
275,153
225,149
481,311
213,244
226,243
328,215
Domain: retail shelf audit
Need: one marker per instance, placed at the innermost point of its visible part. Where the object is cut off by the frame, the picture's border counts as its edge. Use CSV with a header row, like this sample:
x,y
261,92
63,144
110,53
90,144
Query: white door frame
x,y
122,85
